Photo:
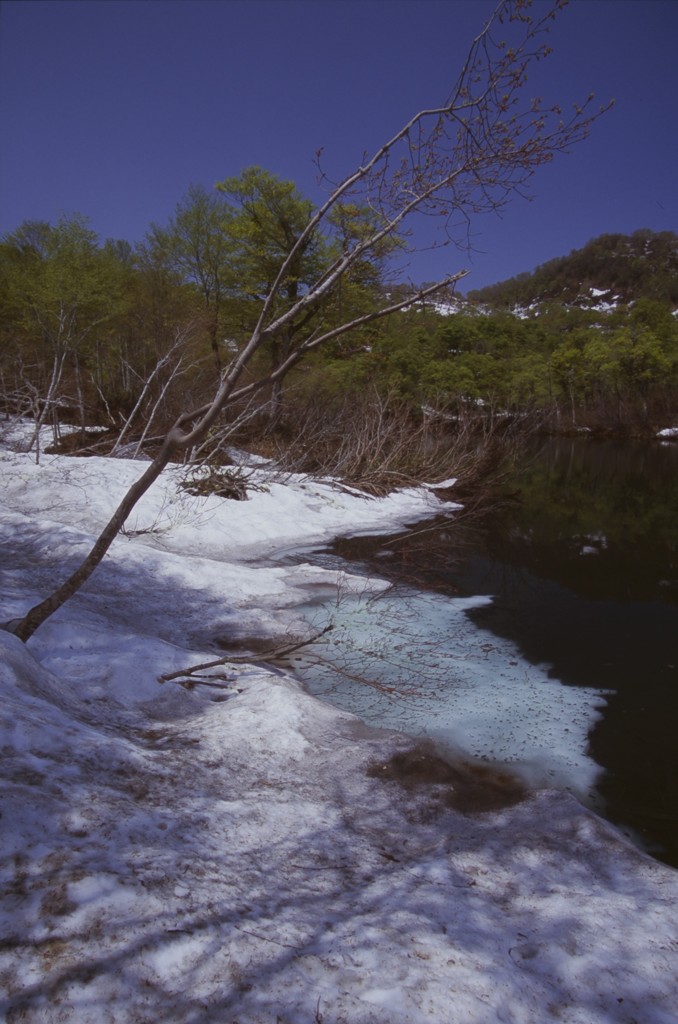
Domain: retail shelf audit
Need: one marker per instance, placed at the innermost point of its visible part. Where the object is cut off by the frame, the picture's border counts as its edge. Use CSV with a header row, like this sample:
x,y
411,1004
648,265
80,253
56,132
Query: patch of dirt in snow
x,y
466,786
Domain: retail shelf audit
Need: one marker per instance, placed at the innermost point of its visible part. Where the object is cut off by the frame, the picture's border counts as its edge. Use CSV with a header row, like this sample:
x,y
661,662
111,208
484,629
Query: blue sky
x,y
111,108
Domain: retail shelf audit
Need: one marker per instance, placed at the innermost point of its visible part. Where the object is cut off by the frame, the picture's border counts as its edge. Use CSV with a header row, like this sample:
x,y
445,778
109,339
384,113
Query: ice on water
x,y
434,673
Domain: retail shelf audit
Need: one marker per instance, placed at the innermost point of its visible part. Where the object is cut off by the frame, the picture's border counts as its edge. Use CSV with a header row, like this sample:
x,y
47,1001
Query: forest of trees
x,y
101,334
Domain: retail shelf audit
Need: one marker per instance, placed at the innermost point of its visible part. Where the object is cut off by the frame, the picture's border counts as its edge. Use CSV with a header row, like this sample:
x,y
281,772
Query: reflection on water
x,y
582,572
599,517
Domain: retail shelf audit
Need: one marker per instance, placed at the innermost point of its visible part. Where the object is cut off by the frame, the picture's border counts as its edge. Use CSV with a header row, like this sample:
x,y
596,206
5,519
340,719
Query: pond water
x,y
544,636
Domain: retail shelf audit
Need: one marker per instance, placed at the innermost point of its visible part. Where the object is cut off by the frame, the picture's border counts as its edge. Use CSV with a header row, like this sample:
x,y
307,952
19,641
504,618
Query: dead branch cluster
x,y
378,443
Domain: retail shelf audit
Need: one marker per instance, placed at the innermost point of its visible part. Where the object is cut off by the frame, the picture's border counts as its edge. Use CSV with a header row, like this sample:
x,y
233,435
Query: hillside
x,y
613,268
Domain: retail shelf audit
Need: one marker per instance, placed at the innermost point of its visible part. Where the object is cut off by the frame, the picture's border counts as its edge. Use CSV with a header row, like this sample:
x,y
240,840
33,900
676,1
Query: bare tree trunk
x,y
37,615
156,405
45,409
214,341
82,418
161,363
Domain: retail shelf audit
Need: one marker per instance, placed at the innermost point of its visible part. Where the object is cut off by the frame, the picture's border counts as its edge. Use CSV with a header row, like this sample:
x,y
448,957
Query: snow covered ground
x,y
240,851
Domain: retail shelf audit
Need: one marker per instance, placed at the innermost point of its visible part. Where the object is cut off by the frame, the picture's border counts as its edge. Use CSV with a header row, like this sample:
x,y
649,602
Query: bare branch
x,y
244,659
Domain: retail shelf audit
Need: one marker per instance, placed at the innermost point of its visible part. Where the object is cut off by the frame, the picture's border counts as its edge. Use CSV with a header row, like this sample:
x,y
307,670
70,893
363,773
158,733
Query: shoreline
x,y
224,854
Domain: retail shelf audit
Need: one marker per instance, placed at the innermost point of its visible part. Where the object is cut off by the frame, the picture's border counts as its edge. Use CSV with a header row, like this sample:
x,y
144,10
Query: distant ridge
x,y
612,269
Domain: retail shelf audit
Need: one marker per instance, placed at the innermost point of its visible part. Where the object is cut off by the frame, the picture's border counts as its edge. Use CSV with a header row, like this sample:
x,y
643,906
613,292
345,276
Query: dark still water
x,y
582,571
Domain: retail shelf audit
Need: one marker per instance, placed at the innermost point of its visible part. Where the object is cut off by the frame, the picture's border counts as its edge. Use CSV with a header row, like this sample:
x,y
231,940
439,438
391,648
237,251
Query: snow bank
x,y
234,860
230,852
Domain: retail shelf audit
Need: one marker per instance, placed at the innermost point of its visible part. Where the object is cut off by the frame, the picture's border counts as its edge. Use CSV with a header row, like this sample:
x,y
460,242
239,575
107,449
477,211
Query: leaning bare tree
x,y
469,155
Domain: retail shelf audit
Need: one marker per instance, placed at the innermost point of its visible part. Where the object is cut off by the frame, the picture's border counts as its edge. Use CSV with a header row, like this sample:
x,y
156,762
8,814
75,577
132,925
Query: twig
x,y
239,659
188,682
363,680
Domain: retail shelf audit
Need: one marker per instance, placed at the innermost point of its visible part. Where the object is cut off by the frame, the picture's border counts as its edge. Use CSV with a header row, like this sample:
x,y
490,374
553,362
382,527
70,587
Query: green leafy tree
x,y
636,361
570,368
198,244
270,245
63,290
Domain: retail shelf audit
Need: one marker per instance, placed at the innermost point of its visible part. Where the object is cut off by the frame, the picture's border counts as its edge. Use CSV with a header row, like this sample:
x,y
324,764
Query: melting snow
x,y
222,853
